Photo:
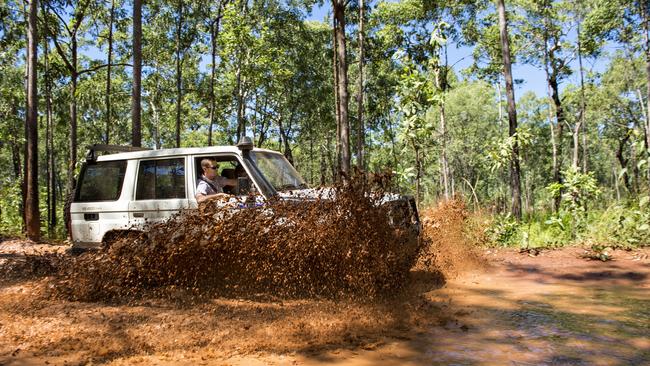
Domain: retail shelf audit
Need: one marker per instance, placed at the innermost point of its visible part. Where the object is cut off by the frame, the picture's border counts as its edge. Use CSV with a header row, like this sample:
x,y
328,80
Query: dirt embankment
x,y
554,308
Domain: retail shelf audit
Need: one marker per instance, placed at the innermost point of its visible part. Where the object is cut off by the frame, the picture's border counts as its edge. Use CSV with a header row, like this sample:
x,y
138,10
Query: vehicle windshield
x,y
278,171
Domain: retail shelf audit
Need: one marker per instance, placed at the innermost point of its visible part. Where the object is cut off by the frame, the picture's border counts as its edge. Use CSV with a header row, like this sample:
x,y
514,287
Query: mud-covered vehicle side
x,y
123,192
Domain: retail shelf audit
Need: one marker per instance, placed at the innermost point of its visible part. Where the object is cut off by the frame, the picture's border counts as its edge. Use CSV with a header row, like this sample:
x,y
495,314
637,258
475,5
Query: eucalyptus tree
x,y
471,114
111,34
32,213
408,26
546,26
238,53
360,86
213,18
185,33
64,29
620,21
12,137
13,42
136,91
341,84
619,114
515,185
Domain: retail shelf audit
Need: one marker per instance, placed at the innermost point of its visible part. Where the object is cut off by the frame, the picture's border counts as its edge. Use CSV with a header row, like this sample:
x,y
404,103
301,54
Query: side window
x,y
228,167
101,181
161,179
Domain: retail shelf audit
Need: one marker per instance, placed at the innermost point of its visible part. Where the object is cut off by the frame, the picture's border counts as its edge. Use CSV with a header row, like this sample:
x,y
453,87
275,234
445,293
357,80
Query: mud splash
x,y
329,248
449,249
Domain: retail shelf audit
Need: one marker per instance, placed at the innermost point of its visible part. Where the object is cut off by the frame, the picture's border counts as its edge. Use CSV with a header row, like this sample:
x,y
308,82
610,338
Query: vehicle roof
x,y
175,152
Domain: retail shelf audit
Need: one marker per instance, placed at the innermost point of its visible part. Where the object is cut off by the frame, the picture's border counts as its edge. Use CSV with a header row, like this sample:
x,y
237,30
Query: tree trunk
x,y
444,164
616,187
441,84
179,72
498,84
71,65
16,158
623,161
49,142
646,133
136,96
284,138
418,172
23,182
580,126
342,71
557,130
72,157
330,159
645,9
337,100
323,166
155,121
107,97
241,128
515,185
311,153
214,36
559,114
214,30
32,213
360,90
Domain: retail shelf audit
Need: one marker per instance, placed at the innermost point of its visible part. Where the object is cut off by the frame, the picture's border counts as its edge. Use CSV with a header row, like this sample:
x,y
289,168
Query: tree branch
x,y
78,17
57,45
60,18
95,68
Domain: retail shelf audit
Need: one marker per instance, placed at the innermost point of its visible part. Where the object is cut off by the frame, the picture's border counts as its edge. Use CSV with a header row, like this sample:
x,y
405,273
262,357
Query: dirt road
x,y
556,308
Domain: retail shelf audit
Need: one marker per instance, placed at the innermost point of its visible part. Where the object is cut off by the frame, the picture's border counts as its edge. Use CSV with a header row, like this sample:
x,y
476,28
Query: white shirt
x,y
203,188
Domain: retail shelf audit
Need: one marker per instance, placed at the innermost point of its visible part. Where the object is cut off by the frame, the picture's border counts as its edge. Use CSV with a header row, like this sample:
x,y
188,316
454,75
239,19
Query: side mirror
x,y
244,185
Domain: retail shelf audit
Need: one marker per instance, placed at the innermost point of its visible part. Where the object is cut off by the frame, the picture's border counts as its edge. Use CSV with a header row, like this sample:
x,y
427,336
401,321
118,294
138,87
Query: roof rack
x,y
91,155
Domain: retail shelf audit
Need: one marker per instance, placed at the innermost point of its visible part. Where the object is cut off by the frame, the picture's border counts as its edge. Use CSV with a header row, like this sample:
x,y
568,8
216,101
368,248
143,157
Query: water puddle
x,y
552,322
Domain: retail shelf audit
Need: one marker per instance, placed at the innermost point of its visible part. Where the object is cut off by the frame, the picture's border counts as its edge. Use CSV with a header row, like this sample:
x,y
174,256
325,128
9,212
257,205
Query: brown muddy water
x,y
456,306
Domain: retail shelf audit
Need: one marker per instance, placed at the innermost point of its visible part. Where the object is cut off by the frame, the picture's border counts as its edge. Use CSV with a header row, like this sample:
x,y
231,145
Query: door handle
x,y
91,217
138,214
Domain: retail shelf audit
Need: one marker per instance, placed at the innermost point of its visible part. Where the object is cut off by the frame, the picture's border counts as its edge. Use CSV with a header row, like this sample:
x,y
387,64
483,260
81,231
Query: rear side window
x,y
161,179
101,181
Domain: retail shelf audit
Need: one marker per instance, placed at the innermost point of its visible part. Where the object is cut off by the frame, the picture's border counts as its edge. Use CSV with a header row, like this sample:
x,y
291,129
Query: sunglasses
x,y
213,167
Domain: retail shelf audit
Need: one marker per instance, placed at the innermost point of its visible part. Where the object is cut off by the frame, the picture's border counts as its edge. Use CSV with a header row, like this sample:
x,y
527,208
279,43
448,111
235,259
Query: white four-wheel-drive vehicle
x,y
123,191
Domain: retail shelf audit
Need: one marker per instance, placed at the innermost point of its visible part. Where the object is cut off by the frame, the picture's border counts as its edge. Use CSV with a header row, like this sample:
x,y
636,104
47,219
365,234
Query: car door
x,y
161,190
99,204
230,166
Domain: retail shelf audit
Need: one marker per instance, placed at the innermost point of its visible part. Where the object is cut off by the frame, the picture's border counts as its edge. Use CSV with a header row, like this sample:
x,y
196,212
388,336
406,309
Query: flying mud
x,y
346,246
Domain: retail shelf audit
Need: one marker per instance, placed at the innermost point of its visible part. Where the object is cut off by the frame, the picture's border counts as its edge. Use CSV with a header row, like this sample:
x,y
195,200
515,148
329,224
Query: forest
x,y
369,87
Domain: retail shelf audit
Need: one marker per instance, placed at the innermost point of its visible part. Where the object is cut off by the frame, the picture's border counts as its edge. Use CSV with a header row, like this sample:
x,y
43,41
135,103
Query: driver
x,y
209,184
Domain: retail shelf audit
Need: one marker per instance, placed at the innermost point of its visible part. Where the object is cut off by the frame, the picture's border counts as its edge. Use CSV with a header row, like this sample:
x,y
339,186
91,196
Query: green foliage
x,y
501,153
577,190
504,230
624,225
10,204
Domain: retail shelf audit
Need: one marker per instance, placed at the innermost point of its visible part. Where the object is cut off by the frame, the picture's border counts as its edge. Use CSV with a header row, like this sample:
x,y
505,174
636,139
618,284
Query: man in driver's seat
x,y
210,184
